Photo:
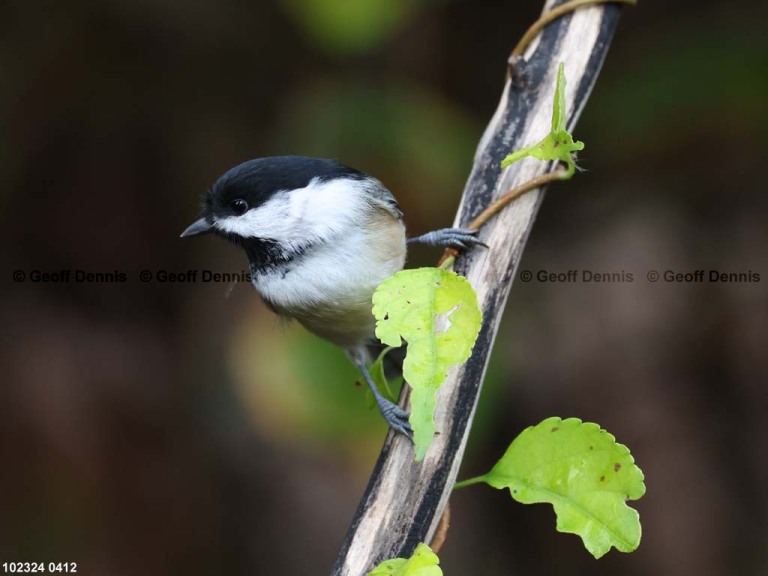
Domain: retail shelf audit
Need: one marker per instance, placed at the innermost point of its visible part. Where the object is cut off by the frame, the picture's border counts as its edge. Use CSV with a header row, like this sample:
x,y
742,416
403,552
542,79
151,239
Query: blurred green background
x,y
178,428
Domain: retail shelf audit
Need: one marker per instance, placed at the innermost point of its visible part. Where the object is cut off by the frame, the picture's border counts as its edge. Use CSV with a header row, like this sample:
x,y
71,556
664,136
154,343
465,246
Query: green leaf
x,y
584,473
558,106
436,312
389,390
424,562
558,144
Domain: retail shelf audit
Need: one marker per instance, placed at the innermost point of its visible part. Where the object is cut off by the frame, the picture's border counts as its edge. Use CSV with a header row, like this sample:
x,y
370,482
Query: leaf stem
x,y
469,482
447,261
552,15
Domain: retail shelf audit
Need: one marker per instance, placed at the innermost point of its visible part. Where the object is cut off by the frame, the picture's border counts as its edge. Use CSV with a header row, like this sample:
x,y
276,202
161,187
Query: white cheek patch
x,y
270,220
316,212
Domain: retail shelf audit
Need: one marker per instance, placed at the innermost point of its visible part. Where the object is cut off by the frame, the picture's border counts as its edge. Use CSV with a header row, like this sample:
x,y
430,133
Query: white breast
x,y
329,289
356,240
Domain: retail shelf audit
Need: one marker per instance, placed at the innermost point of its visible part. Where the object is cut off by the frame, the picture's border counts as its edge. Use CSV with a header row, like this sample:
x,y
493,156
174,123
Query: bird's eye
x,y
239,206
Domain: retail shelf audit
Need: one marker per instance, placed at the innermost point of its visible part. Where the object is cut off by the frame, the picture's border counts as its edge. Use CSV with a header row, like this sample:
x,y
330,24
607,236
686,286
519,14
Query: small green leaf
x,y
436,312
558,144
389,390
558,106
584,473
424,562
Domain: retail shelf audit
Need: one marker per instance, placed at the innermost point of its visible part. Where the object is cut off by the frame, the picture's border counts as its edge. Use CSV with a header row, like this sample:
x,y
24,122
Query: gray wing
x,y
382,197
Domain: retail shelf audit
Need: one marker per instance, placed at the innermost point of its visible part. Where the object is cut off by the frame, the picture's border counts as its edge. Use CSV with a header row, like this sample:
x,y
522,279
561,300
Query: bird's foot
x,y
396,417
449,238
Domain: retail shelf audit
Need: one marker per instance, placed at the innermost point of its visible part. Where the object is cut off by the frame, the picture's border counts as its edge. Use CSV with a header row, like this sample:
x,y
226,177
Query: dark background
x,y
176,428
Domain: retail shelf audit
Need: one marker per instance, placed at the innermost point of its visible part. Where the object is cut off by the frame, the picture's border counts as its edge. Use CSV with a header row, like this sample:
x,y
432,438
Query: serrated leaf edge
x,y
564,500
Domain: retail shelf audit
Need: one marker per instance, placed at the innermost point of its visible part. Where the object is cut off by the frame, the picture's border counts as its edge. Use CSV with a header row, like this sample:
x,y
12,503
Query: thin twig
x,y
495,207
554,14
441,533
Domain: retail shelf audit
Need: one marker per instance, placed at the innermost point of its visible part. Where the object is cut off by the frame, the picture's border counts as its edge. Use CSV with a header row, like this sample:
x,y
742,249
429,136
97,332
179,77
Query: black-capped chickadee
x,y
320,237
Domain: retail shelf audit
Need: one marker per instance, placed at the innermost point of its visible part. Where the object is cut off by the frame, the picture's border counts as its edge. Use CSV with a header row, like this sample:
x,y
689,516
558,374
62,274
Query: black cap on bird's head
x,y
252,183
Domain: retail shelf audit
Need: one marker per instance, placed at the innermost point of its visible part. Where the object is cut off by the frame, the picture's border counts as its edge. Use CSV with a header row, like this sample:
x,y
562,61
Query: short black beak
x,y
201,226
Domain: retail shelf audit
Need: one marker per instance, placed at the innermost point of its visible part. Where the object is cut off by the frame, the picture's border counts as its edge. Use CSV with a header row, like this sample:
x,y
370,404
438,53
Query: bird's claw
x,y
462,238
397,418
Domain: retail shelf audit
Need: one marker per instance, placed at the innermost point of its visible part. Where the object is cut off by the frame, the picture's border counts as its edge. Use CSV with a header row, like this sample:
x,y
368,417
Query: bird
x,y
319,237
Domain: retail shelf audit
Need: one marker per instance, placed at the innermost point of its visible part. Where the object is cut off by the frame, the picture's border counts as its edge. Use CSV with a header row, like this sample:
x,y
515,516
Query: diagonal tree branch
x,y
404,499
